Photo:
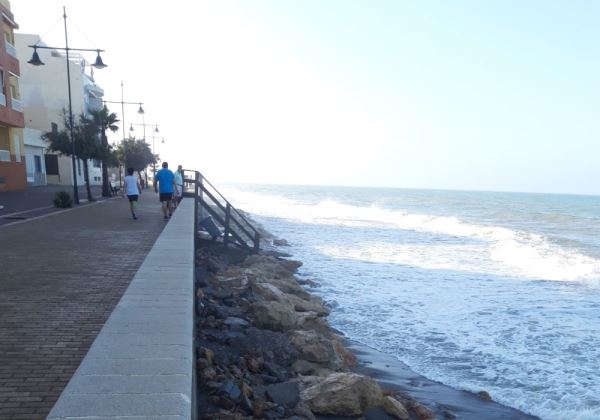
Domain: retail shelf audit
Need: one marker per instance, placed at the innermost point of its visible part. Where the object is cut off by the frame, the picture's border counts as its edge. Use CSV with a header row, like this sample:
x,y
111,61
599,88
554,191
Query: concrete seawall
x,y
141,363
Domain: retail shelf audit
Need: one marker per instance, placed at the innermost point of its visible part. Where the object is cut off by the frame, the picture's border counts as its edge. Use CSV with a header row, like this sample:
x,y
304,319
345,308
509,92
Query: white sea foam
x,y
500,250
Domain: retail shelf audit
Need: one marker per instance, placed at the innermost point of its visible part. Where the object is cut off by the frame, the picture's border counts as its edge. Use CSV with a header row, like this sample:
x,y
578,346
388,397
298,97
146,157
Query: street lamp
x,y
99,64
139,111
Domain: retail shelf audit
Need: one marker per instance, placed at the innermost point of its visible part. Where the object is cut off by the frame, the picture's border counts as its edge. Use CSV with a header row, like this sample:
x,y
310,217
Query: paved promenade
x,y
60,278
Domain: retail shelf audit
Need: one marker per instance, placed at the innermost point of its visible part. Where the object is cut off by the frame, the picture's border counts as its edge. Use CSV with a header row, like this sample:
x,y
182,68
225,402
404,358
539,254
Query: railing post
x,y
256,241
196,213
199,181
227,220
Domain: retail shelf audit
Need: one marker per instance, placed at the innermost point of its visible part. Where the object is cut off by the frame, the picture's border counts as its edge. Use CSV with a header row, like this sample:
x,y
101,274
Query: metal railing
x,y
233,225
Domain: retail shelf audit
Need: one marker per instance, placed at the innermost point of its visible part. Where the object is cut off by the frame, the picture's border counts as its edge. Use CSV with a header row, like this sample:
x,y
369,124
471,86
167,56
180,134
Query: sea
x,y
477,290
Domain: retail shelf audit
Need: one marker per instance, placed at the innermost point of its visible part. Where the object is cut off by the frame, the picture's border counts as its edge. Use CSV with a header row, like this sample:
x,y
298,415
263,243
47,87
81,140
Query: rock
x,y
270,267
313,347
290,286
344,394
348,358
257,342
422,412
254,364
286,394
236,323
274,315
223,415
208,374
274,371
313,322
303,411
291,265
230,391
304,367
280,242
267,291
215,265
208,354
395,408
307,282
315,304
484,395
217,293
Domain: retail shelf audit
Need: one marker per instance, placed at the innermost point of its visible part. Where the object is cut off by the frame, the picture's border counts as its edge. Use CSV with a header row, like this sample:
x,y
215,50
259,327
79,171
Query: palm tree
x,y
105,120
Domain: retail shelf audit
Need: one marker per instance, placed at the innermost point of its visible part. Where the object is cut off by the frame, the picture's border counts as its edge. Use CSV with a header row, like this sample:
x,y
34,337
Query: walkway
x,y
60,278
37,201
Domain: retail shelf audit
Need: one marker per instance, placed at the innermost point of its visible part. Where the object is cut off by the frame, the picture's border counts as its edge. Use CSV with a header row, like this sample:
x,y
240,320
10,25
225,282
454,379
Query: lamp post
x,y
99,64
153,131
123,103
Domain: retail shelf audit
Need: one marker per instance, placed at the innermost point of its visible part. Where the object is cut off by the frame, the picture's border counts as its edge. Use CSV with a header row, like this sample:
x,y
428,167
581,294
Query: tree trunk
x,y
86,176
141,179
105,186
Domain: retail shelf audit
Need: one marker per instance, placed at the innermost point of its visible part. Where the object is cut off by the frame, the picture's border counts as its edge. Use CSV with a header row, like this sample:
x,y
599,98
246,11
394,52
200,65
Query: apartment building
x,y
45,99
12,147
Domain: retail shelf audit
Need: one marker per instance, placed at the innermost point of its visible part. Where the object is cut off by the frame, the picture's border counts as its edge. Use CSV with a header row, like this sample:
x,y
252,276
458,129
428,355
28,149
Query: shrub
x,y
63,200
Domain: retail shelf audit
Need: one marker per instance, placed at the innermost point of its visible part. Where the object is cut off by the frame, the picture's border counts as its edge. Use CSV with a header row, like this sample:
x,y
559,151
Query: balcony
x,y
16,105
10,48
5,156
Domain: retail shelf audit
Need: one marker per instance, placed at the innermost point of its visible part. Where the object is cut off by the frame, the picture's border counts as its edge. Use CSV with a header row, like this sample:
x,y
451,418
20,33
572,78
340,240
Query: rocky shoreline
x,y
266,350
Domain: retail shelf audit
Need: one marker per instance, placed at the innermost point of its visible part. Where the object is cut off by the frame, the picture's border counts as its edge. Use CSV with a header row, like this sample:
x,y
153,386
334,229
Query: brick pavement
x,y
60,278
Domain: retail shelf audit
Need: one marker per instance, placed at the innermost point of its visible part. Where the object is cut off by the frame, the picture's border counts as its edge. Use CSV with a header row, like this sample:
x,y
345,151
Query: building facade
x,y
45,101
12,147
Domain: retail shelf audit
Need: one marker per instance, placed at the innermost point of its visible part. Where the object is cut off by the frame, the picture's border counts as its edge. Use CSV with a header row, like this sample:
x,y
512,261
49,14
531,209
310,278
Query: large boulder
x,y
267,291
270,267
395,408
342,394
274,315
265,344
316,348
314,304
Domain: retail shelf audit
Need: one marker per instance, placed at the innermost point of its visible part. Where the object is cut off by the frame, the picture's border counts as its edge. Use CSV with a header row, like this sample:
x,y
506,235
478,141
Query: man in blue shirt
x,y
167,186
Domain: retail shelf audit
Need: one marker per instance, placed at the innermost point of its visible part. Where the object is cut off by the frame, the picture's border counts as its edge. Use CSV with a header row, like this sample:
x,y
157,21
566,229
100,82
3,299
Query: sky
x,y
470,95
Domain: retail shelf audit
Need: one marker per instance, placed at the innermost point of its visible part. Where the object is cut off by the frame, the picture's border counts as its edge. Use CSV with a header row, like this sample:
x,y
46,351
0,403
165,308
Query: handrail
x,y
235,230
226,201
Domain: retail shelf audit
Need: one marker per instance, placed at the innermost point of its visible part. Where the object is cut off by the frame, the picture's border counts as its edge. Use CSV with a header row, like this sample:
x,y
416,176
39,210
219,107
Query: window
x,y
14,87
97,163
17,148
54,128
37,160
8,35
1,81
79,167
51,164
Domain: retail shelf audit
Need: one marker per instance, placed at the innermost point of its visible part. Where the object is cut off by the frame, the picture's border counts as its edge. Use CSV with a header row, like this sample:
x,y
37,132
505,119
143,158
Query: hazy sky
x,y
486,95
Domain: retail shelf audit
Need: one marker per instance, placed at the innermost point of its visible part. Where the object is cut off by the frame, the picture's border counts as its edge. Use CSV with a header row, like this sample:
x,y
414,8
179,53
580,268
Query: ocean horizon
x,y
479,290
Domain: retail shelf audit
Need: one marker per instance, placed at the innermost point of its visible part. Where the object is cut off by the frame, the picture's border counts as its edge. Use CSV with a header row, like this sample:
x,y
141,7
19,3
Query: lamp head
x,y
141,110
99,64
156,129
35,59
131,127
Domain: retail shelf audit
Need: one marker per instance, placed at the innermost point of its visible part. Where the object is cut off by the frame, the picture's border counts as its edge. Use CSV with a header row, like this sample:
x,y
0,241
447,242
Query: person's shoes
x,y
134,217
166,217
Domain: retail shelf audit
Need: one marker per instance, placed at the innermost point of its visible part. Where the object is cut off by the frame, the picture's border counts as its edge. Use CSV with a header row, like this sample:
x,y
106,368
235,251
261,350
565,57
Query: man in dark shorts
x,y
166,188
132,190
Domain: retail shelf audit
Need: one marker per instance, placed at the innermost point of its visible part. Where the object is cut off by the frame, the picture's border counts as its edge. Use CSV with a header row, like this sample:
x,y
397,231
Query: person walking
x,y
179,183
133,190
166,188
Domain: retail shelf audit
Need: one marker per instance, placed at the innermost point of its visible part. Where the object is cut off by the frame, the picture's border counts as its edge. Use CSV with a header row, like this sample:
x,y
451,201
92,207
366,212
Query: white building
x,y
45,97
